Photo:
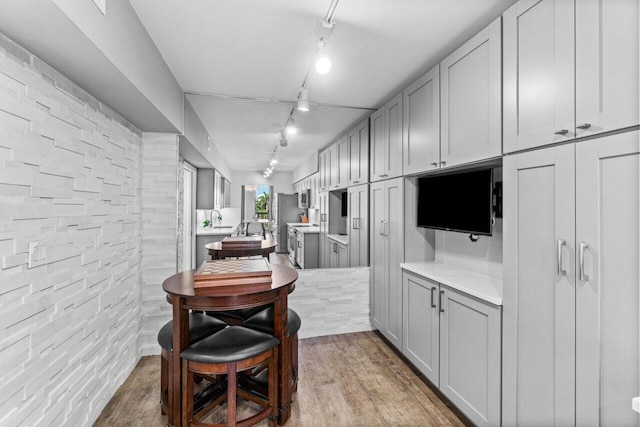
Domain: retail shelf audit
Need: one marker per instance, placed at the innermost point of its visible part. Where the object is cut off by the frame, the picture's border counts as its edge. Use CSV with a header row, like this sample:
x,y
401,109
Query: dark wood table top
x,y
217,246
181,284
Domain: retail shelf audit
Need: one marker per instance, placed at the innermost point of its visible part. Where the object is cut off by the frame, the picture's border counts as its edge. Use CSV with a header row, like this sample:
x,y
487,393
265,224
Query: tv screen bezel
x,y
458,230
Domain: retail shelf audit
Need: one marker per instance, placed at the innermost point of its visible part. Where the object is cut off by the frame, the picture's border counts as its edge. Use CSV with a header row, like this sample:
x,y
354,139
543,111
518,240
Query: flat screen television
x,y
460,201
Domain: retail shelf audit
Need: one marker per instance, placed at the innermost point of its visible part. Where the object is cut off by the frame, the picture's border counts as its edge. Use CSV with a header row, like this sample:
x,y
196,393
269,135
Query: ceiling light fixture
x,y
291,126
323,63
303,100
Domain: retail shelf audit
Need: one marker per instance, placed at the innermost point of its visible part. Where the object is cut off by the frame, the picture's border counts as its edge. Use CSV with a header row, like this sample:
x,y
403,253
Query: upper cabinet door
x,y
539,93
606,65
324,172
359,154
377,142
342,159
421,142
393,164
471,99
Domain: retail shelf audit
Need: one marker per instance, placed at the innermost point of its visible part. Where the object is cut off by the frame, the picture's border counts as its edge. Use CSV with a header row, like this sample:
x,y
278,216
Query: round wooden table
x,y
217,252
183,297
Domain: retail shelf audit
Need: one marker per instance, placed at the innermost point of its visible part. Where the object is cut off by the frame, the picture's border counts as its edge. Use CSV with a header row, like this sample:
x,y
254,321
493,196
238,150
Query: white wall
x,y
70,178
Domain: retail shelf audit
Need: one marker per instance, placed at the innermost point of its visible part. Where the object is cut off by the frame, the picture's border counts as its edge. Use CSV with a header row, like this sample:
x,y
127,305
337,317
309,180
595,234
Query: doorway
x,y
188,215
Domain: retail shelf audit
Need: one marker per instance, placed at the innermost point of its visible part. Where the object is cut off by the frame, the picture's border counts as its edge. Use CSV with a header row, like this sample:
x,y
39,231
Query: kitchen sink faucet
x,y
219,218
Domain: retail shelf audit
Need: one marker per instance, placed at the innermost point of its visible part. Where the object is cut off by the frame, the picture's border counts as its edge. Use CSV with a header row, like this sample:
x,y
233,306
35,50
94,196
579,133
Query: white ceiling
x,y
263,49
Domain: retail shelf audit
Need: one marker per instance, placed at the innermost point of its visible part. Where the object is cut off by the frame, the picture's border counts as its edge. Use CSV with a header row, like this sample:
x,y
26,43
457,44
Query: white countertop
x,y
221,229
305,227
635,404
340,238
484,287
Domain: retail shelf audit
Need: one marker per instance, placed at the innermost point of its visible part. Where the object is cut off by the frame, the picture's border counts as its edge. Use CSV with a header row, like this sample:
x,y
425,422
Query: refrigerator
x,y
285,209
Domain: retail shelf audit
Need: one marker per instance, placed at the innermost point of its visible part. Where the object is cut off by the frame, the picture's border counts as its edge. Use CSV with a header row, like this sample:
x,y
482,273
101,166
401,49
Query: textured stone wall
x,y
159,231
70,179
332,301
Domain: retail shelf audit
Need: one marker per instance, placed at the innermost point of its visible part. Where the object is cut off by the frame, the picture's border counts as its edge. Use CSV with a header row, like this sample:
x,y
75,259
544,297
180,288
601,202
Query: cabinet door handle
x,y
440,301
299,244
335,247
382,228
353,224
433,291
561,132
434,164
583,276
355,182
561,243
584,126
443,163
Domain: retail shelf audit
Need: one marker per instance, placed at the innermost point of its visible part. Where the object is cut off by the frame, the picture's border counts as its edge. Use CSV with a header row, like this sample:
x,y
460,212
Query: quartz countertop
x,y
486,288
220,229
340,238
305,227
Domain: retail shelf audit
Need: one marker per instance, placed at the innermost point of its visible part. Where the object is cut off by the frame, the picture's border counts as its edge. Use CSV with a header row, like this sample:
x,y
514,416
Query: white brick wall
x,y
70,179
159,232
332,301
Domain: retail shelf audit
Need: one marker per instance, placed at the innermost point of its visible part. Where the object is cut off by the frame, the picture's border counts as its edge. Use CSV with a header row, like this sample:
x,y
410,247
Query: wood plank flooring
x,y
345,380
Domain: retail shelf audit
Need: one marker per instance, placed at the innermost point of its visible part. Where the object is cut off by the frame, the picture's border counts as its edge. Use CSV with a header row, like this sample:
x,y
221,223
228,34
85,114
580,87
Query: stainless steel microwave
x,y
303,199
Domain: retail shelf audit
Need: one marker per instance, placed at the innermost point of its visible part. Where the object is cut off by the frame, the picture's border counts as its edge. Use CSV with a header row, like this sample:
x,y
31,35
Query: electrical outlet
x,y
102,5
34,254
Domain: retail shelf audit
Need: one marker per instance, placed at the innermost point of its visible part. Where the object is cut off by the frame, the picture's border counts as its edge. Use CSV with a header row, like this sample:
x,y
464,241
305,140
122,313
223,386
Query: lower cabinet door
x,y
421,324
470,340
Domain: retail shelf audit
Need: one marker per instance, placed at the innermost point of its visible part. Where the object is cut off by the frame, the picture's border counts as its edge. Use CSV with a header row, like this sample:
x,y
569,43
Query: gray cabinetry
x,y
454,339
421,141
471,104
323,245
358,225
570,70
571,332
358,140
386,141
338,255
470,340
307,250
386,254
324,172
421,324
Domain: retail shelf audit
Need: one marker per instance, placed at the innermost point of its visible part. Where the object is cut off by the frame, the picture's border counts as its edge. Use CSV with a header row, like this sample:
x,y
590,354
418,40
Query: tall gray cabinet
x,y
386,254
571,296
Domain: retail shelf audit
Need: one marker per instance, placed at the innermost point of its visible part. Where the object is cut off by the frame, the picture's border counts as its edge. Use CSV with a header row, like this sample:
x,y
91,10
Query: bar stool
x,y
263,322
230,351
200,326
236,317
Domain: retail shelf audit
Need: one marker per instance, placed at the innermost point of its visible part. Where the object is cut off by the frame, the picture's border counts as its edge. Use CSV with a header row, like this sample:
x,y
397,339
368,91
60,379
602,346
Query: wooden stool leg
x,y
164,384
273,387
232,383
187,396
294,362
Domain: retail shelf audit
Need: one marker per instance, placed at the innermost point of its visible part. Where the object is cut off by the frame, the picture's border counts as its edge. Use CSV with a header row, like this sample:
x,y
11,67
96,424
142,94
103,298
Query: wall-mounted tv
x,y
460,201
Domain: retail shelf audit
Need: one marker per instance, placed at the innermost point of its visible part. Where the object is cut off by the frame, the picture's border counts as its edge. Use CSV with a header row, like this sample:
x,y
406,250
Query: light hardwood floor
x,y
345,380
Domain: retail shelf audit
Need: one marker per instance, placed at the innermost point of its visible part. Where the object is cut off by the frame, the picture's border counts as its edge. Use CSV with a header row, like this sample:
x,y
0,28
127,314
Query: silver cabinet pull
x,y
382,228
583,276
584,126
440,301
299,244
353,223
433,303
355,182
561,132
561,272
434,164
443,163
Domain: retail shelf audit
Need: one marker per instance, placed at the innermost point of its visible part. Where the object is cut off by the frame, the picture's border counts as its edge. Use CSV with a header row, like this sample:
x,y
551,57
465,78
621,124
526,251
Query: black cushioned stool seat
x,y
236,317
230,351
200,326
263,322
